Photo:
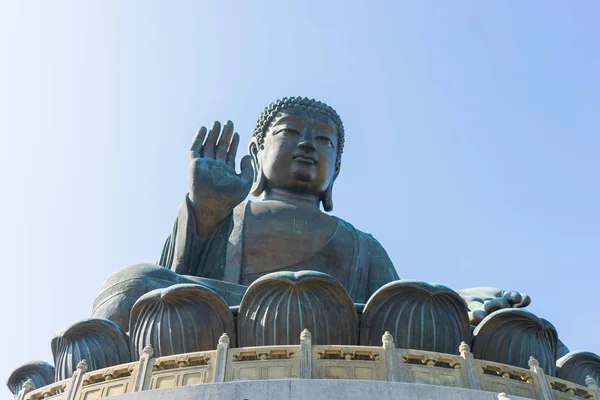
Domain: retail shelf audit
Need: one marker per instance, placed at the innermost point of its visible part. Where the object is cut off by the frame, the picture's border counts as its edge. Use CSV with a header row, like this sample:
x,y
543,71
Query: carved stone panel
x,y
418,315
435,376
278,306
509,386
180,377
105,389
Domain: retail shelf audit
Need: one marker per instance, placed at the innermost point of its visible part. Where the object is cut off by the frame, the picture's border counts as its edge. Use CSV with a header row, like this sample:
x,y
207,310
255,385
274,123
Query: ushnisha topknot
x,y
303,103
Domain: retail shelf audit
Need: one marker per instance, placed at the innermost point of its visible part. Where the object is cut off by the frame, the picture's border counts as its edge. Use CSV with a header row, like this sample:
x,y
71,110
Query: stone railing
x,y
565,390
307,361
54,391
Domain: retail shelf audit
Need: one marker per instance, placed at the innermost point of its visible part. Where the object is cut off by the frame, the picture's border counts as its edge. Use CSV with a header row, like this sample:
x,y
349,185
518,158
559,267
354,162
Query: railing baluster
x,y
26,388
74,384
542,382
305,355
144,370
470,366
591,384
391,360
221,358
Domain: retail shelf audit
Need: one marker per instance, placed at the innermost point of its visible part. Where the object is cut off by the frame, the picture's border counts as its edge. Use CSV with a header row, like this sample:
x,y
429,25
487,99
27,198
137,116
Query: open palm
x,y
215,187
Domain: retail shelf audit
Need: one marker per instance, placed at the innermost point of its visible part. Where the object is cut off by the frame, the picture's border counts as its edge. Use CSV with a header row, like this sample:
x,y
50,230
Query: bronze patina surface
x,y
223,242
295,157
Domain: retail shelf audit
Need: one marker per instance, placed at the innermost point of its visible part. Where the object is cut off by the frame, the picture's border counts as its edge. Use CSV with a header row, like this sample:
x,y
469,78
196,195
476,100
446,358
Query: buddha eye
x,y
287,132
325,139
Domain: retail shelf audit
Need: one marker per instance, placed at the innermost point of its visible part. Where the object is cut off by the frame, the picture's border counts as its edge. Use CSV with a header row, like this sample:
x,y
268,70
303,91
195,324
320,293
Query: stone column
x,y
591,384
305,355
144,370
26,388
470,366
534,366
391,360
76,380
221,359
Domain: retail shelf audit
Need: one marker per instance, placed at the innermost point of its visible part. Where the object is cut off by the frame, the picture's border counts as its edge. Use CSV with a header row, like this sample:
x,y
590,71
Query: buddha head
x,y
297,146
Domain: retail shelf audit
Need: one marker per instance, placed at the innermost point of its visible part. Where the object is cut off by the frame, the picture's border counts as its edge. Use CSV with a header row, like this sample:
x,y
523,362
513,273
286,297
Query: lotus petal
x,y
180,319
419,316
277,307
577,365
511,336
98,341
40,372
563,350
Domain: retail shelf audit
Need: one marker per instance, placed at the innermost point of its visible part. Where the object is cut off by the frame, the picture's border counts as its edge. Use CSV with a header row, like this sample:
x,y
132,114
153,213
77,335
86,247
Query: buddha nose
x,y
307,146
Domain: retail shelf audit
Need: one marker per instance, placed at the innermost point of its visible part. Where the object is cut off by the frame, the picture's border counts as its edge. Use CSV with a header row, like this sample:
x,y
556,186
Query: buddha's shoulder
x,y
364,236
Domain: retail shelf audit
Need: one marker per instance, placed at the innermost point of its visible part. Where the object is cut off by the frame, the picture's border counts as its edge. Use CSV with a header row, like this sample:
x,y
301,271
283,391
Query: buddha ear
x,y
258,185
327,198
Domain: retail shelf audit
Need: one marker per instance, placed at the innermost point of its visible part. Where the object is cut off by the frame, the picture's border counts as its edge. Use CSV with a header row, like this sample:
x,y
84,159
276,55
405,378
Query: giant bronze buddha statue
x,y
281,271
224,242
295,157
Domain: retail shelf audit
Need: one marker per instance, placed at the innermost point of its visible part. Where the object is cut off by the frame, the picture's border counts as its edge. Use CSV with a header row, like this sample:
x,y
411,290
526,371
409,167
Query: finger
x,y
197,143
208,150
247,171
223,145
235,142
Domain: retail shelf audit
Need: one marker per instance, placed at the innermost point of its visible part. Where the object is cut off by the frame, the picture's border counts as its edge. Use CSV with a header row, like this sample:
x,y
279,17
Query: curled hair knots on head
x,y
303,103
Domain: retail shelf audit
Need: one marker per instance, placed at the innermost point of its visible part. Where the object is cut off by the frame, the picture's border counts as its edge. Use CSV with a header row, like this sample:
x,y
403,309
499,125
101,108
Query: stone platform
x,y
314,372
323,389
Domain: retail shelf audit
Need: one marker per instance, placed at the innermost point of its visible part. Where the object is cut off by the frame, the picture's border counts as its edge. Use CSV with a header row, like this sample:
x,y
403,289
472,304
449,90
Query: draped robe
x,y
353,257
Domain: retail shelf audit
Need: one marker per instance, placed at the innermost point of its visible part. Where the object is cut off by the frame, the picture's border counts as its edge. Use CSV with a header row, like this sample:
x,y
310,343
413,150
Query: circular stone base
x,y
313,389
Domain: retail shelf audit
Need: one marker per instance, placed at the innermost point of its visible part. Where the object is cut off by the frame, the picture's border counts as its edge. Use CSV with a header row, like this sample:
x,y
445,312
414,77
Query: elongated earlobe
x,y
327,199
258,185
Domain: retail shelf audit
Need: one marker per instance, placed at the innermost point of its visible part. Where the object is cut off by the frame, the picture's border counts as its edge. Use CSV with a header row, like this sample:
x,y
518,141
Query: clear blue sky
x,y
472,144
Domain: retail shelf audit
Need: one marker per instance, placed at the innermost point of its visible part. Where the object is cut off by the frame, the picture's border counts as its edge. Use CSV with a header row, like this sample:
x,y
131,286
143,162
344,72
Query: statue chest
x,y
276,239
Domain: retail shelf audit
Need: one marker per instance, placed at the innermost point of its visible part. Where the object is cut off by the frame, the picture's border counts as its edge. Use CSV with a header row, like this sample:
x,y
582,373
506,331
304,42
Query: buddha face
x,y
300,150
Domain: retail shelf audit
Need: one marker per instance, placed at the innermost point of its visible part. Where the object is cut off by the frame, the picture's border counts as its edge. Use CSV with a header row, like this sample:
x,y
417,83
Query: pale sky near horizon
x,y
472,139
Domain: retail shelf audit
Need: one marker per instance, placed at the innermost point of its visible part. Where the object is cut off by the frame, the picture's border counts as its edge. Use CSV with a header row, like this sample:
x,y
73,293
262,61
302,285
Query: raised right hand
x,y
215,188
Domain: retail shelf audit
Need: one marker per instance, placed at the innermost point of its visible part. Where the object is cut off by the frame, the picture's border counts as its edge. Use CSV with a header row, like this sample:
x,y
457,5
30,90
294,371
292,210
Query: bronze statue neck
x,y
296,199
